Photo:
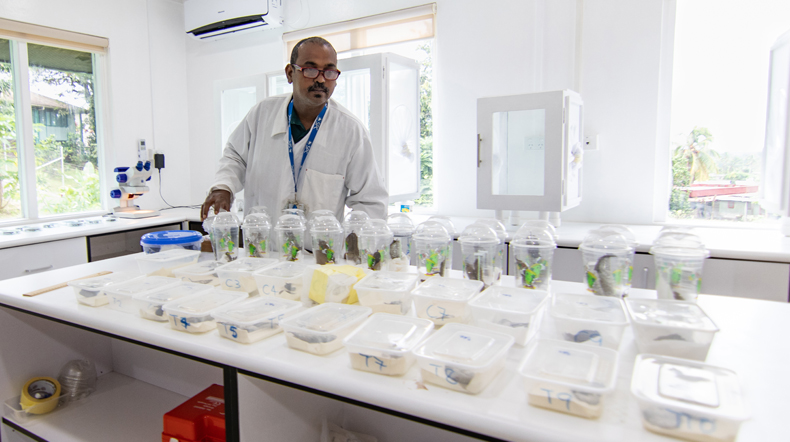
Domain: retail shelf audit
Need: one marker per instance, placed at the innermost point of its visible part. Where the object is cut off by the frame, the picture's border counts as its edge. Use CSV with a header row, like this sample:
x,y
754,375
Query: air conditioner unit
x,y
215,19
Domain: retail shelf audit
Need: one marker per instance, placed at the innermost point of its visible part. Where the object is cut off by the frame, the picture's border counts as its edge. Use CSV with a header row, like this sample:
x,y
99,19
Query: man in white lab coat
x,y
323,159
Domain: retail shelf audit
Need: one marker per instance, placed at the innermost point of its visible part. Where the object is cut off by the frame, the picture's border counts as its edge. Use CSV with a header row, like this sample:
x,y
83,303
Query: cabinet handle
x,y
645,270
40,269
479,139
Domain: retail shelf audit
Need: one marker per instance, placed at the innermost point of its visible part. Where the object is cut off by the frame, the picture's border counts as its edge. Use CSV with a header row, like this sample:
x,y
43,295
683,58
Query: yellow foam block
x,y
320,280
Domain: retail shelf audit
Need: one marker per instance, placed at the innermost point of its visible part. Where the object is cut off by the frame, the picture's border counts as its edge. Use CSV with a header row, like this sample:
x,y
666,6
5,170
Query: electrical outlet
x,y
591,142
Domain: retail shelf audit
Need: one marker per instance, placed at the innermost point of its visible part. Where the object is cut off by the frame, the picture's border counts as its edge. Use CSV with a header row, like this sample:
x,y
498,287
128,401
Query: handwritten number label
x,y
565,397
705,426
233,331
376,361
233,283
184,322
441,313
467,338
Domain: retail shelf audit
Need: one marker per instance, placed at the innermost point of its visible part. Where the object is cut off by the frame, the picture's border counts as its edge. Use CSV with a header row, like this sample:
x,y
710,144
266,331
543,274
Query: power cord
x,y
159,164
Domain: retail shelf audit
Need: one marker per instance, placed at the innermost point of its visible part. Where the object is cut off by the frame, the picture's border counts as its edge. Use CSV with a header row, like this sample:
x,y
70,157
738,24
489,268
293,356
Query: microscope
x,y
131,185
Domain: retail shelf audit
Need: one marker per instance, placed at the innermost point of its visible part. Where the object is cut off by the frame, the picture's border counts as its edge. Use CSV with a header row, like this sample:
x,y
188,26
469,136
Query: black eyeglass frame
x,y
318,72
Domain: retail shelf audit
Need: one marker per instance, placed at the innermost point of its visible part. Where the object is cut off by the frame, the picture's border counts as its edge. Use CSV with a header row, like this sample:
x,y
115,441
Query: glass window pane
x,y
353,93
519,152
234,107
10,203
279,85
62,93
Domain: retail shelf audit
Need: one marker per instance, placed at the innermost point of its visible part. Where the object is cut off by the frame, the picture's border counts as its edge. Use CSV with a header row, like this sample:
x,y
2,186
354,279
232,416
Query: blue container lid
x,y
171,237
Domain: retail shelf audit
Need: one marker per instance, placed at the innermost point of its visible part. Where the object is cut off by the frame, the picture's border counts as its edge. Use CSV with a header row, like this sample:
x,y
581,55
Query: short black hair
x,y
317,40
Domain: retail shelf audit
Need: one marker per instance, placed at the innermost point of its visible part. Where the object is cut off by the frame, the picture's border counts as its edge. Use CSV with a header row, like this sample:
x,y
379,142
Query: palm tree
x,y
701,159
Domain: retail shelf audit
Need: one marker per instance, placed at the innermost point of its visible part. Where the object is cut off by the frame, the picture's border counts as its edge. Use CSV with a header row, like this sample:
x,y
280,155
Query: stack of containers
x,y
256,229
533,251
402,228
290,234
194,313
608,259
238,275
383,343
514,311
156,242
679,256
91,291
592,320
283,280
445,300
480,251
254,320
387,291
327,238
433,247
224,235
150,304
320,330
375,242
501,233
120,296
164,263
204,272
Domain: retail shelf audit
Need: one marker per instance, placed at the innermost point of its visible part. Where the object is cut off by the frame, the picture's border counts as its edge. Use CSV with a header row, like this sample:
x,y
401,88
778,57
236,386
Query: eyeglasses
x,y
329,74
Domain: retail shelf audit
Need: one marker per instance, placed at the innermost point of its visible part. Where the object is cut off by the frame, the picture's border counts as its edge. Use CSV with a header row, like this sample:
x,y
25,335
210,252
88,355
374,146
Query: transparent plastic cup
x,y
311,217
402,229
480,251
433,250
352,225
290,233
256,229
533,250
501,233
375,239
327,238
608,262
679,257
224,234
631,239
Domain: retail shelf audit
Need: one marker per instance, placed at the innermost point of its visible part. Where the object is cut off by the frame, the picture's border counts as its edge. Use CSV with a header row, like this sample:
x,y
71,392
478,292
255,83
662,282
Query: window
x,y
49,126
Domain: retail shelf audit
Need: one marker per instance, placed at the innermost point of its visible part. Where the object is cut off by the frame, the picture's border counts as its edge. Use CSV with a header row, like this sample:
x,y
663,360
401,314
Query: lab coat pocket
x,y
323,191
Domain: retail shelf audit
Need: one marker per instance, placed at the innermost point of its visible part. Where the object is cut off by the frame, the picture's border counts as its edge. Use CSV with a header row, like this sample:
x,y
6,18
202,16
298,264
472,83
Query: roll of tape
x,y
40,395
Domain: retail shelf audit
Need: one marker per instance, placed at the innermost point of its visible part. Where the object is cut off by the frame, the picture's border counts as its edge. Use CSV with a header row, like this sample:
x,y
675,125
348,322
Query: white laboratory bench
x,y
282,393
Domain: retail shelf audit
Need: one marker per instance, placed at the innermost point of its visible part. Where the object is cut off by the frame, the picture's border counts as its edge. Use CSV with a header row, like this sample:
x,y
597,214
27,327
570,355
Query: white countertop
x,y
743,345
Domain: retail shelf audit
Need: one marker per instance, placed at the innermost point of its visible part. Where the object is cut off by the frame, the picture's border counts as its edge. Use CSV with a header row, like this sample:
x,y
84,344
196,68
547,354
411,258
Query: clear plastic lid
x,y
679,243
295,212
688,385
593,369
391,333
225,219
376,229
143,285
100,282
510,299
257,220
496,226
171,293
247,265
355,219
592,308
431,231
465,345
536,235
605,240
445,221
325,224
452,289
400,224
283,269
623,230
669,313
290,223
202,304
387,281
260,209
168,256
327,318
256,310
200,268
478,234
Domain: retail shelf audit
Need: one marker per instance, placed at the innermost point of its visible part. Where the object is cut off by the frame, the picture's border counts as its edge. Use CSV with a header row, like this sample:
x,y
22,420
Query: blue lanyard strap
x,y
307,146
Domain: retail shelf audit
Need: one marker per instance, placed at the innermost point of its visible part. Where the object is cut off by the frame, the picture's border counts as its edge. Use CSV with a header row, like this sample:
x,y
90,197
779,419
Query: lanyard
x,y
307,146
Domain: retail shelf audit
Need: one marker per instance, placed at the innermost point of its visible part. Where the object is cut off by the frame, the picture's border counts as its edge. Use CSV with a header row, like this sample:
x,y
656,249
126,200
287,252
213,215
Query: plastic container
x,y
501,233
388,292
333,283
433,246
480,252
204,272
533,251
91,291
121,296
588,319
515,311
238,275
320,330
326,234
445,300
671,328
254,320
77,380
631,239
375,241
156,242
193,314
150,304
289,234
688,399
400,251
256,229
352,224
283,280
163,263
463,357
383,343
446,223
224,234
199,419
568,377
608,262
679,257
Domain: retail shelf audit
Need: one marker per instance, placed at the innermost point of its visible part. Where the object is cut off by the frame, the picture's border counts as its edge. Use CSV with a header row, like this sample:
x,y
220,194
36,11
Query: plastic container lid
x,y
255,311
623,230
200,268
541,225
143,285
260,209
387,281
478,234
171,237
168,256
591,369
496,226
535,235
247,265
680,244
327,318
259,220
431,231
400,224
290,223
204,303
669,313
601,309
171,293
325,224
466,346
390,333
225,219
445,221
100,282
283,269
604,240
510,299
296,212
452,289
376,228
355,218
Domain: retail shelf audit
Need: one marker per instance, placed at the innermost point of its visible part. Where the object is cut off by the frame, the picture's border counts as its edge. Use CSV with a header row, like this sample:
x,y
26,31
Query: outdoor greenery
x,y
426,129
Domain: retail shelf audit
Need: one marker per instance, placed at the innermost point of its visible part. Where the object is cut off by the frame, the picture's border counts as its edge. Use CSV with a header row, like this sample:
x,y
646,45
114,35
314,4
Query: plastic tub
x,y
283,280
237,275
688,399
204,272
91,291
150,304
445,300
589,319
254,320
320,330
163,263
515,311
462,357
120,296
671,328
383,343
156,242
193,314
568,377
387,291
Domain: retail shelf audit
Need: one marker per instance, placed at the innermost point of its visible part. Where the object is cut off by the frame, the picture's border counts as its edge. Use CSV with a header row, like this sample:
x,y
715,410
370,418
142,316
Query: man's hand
x,y
218,199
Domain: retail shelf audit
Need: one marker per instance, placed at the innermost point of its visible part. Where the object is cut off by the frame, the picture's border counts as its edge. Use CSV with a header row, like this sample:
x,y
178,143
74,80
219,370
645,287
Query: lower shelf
x,y
122,408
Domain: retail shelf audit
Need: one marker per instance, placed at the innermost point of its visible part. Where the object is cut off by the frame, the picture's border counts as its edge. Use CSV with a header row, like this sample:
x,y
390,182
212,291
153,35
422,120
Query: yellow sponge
x,y
320,281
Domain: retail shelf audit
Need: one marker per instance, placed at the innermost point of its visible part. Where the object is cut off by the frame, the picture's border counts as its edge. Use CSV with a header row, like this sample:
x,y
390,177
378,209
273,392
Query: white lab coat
x,y
340,169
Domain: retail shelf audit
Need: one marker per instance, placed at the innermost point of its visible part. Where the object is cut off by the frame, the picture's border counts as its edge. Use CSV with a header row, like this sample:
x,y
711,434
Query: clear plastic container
x,y
260,209
254,320
433,246
515,311
309,226
446,223
204,272
256,229
400,251
375,241
679,257
671,328
150,304
589,319
501,233
156,242
121,296
480,252
568,377
290,234
320,330
631,239
352,224
194,314
334,283
283,280
224,234
238,275
326,234
91,291
463,357
163,263
688,399
445,300
608,262
383,343
533,250
387,292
